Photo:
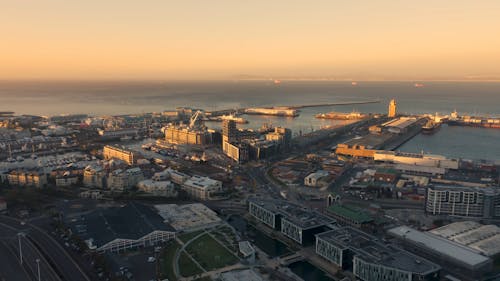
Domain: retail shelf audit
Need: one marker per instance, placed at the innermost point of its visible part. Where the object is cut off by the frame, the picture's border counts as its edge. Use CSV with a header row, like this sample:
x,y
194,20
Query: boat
x,y
431,127
418,85
236,119
341,116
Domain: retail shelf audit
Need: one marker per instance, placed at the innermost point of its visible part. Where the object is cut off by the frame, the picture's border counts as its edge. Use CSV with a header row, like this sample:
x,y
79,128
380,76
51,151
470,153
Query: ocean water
x,y
111,98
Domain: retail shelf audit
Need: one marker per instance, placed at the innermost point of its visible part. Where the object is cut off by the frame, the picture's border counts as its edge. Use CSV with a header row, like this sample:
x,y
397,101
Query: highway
x,y
57,263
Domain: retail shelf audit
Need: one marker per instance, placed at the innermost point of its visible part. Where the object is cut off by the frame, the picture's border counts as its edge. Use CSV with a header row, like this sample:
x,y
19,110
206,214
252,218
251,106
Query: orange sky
x,y
221,39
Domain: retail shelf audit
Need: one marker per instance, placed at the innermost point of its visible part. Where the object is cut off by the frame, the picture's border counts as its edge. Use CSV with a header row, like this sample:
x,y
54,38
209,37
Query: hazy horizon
x,y
223,40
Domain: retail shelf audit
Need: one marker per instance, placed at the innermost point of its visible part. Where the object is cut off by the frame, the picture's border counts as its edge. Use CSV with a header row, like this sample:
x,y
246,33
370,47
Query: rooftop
x,y
302,217
187,217
370,249
441,245
131,221
483,238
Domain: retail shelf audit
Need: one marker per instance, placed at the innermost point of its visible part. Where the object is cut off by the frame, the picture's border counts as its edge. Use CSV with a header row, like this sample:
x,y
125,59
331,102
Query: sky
x,y
228,39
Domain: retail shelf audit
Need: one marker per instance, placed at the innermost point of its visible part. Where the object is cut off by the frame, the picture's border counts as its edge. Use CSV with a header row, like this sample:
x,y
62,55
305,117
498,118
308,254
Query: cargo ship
x,y
431,127
473,121
341,116
221,118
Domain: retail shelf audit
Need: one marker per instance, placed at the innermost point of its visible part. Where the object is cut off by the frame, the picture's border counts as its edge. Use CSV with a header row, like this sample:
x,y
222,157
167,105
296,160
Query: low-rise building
x,y
66,180
202,187
121,228
296,222
479,237
350,216
313,179
158,188
456,259
27,178
189,217
371,260
94,176
124,179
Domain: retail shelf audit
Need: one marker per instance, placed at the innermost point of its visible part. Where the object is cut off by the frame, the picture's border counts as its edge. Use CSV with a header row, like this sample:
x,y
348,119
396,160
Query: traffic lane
x,y
10,268
55,254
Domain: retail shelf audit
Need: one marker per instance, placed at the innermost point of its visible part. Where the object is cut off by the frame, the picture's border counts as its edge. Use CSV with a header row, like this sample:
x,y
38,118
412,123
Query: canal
x,y
271,246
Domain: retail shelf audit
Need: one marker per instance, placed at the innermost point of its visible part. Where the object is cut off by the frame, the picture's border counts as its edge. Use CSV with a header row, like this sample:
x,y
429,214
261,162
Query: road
x,y
52,253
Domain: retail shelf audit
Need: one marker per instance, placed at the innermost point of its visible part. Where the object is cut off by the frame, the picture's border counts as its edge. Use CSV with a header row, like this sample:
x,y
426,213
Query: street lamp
x,y
38,267
20,249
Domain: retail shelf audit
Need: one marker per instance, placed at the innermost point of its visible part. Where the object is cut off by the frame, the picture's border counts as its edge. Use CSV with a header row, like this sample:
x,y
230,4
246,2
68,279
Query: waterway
x,y
270,246
458,142
307,271
122,97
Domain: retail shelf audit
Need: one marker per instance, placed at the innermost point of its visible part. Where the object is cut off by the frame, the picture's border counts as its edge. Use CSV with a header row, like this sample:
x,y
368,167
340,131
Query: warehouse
x,y
117,229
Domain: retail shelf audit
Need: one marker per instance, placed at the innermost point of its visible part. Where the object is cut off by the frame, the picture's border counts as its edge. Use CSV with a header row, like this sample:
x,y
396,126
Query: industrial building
x,y
479,237
480,202
399,125
296,222
118,229
456,259
418,159
112,152
117,133
189,217
371,260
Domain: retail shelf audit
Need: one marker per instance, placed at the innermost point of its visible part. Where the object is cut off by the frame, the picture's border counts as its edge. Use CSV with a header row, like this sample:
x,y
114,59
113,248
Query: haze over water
x,y
112,98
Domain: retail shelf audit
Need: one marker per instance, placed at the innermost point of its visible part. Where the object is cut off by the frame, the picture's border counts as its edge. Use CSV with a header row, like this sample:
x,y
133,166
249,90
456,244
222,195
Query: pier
x,y
332,104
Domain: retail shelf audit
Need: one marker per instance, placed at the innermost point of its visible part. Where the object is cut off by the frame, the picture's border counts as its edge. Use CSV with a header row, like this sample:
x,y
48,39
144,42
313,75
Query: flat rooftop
x,y
302,217
131,221
483,238
350,212
187,217
369,248
441,245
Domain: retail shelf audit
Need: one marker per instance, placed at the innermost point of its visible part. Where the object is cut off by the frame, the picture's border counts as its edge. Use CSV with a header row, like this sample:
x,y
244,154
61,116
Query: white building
x,y
202,187
124,179
158,188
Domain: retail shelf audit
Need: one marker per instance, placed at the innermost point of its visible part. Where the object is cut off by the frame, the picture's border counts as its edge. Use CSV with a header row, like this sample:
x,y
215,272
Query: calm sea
x,y
100,98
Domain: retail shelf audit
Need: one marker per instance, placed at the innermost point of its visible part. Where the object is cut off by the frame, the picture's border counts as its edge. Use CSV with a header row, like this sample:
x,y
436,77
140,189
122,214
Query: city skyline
x,y
92,40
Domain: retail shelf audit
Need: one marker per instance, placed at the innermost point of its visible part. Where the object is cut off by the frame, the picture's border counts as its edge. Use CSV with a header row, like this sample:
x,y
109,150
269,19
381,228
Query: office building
x,y
480,202
371,260
296,222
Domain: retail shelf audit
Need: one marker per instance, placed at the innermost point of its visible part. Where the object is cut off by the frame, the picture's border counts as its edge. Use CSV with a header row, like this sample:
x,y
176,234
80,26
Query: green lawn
x,y
188,236
210,254
167,260
187,266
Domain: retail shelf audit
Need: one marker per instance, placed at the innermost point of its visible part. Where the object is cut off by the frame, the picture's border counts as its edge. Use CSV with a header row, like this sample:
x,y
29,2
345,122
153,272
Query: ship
x,y
341,116
236,119
474,121
431,127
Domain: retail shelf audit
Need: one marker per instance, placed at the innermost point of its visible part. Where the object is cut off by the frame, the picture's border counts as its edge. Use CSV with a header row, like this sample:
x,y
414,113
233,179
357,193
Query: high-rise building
x,y
229,131
392,108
